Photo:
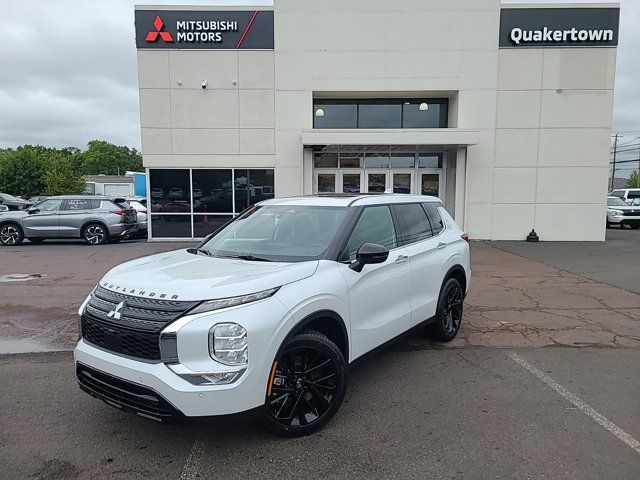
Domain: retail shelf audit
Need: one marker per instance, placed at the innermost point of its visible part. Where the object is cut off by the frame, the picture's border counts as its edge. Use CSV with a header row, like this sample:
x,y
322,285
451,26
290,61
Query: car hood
x,y
180,275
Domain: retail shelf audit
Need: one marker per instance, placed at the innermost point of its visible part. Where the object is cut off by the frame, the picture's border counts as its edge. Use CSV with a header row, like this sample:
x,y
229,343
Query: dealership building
x,y
503,111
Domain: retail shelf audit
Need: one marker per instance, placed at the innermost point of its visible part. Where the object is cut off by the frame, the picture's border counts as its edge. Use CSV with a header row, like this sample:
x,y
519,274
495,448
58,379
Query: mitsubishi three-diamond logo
x,y
116,313
153,35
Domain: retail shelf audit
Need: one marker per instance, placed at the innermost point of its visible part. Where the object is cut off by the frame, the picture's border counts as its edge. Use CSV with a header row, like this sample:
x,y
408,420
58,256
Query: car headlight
x,y
211,305
228,344
616,212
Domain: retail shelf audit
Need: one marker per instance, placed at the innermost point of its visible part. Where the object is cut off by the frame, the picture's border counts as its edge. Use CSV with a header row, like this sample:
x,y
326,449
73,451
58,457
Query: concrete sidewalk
x,y
513,302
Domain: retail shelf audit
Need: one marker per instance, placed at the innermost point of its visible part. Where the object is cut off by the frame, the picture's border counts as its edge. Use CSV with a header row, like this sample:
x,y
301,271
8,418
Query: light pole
x,y
615,151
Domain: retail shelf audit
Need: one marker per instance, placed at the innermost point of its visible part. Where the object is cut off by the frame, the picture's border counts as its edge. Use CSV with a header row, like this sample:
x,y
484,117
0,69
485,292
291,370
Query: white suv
x,y
266,314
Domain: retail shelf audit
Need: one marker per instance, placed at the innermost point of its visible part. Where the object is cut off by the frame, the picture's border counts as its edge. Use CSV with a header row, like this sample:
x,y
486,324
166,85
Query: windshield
x,y
7,198
615,201
286,233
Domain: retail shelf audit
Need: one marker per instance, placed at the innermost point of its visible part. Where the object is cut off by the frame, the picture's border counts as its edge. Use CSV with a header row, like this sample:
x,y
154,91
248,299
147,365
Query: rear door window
x,y
434,217
412,222
79,204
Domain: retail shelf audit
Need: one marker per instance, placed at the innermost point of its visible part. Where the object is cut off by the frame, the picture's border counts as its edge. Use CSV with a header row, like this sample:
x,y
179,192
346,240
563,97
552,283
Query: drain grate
x,y
20,277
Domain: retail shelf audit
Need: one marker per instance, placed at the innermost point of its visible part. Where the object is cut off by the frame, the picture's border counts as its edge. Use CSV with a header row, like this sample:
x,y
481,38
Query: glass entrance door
x,y
430,183
376,180
402,181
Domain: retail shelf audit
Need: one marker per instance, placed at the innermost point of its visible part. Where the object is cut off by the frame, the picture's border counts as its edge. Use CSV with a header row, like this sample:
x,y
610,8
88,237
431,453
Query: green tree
x,y
634,180
102,157
60,177
22,170
36,170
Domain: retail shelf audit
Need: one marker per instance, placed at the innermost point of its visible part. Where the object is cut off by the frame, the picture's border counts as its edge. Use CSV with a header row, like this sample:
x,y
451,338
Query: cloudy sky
x,y
68,72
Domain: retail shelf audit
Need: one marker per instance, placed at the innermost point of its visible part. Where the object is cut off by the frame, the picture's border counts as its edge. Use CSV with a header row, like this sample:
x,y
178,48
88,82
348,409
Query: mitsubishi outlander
x,y
266,314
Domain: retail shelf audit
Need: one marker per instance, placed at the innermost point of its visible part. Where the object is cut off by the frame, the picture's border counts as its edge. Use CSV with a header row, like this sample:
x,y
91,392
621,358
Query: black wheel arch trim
x,y
309,319
454,270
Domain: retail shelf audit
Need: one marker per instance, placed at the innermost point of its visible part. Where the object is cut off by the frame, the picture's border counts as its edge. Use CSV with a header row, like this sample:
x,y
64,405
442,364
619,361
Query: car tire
x,y
306,385
11,235
95,234
36,241
448,316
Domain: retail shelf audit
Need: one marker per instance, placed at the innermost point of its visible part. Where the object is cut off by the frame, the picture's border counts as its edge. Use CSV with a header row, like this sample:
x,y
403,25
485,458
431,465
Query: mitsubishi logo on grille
x,y
116,312
152,36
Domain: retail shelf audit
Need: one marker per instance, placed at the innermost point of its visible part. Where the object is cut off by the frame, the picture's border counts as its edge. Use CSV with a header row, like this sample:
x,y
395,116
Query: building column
x,y
461,187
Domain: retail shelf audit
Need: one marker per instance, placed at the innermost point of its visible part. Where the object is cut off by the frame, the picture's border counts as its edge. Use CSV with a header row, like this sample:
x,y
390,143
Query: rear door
x,y
425,251
379,306
74,214
45,221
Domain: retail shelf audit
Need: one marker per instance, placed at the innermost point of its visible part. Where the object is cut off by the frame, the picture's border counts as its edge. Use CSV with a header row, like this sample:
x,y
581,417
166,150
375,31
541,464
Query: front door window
x,y
402,183
351,183
376,182
326,183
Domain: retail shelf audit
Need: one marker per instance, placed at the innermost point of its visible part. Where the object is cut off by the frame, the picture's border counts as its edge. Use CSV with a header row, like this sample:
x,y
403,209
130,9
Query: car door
x,y
424,250
379,305
74,214
43,219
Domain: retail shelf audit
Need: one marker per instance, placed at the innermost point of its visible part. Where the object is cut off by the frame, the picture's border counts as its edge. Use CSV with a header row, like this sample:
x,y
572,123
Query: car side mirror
x,y
32,210
369,253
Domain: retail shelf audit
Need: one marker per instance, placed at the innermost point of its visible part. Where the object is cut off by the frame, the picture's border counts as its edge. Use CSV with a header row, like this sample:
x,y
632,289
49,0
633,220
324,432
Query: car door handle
x,y
401,259
441,245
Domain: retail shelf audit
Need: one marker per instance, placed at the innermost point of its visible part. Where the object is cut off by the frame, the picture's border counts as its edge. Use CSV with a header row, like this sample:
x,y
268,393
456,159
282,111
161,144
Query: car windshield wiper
x,y
252,258
196,251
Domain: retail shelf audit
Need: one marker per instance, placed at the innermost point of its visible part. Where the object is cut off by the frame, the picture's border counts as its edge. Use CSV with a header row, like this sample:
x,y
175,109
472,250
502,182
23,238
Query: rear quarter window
x,y
437,224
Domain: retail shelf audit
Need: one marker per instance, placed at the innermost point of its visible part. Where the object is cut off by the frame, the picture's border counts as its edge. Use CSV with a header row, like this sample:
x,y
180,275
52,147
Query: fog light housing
x,y
228,344
214,378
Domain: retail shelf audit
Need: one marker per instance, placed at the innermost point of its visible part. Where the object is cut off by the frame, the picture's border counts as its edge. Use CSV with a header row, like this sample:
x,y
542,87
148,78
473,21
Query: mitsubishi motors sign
x,y
206,29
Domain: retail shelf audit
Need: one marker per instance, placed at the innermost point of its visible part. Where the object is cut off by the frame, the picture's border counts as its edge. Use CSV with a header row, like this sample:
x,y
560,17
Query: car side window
x,y
375,225
78,204
51,205
413,222
617,193
435,218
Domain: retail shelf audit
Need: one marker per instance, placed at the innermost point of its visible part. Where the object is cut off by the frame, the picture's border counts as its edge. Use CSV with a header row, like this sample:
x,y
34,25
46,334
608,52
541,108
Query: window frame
x,y
443,102
436,206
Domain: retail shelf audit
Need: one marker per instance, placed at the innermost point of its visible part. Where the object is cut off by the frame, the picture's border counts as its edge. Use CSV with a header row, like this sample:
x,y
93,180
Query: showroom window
x,y
192,203
381,113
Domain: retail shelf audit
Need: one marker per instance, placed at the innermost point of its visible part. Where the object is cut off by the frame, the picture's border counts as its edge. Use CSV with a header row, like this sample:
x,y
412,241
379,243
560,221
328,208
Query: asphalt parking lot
x,y
542,382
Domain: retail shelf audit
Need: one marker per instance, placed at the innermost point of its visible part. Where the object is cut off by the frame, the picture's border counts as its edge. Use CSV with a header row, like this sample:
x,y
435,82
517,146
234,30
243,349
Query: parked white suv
x,y
266,314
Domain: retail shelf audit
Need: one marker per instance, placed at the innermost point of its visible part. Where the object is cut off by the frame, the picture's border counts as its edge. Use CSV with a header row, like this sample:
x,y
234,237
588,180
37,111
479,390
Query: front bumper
x,y
624,220
169,382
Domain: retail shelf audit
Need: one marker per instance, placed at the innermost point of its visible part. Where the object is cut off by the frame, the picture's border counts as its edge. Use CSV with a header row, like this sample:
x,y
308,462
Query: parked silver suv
x,y
96,219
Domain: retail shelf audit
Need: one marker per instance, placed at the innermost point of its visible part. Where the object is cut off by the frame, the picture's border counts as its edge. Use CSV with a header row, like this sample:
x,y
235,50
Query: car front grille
x,y
129,325
631,213
125,395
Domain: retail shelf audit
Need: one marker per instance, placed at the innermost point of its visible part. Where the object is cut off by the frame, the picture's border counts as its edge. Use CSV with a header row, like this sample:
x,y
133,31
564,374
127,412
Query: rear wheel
x,y
307,385
449,312
95,234
10,235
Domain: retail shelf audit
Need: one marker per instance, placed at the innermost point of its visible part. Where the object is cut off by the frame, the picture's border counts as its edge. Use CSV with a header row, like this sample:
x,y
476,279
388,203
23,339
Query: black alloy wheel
x,y
449,312
306,386
11,235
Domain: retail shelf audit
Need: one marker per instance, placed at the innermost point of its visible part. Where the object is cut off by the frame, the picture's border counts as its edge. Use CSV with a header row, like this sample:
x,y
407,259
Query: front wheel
x,y
307,385
449,312
11,235
95,234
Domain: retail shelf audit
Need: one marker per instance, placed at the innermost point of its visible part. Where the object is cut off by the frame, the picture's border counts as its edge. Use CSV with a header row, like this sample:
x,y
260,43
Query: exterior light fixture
x,y
319,112
424,106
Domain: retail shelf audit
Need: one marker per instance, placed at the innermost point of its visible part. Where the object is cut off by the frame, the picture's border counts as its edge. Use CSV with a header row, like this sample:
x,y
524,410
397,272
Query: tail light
x,y
143,212
119,212
465,237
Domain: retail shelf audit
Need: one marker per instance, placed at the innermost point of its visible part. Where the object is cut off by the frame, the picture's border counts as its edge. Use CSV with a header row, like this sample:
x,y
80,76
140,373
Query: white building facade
x,y
503,111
